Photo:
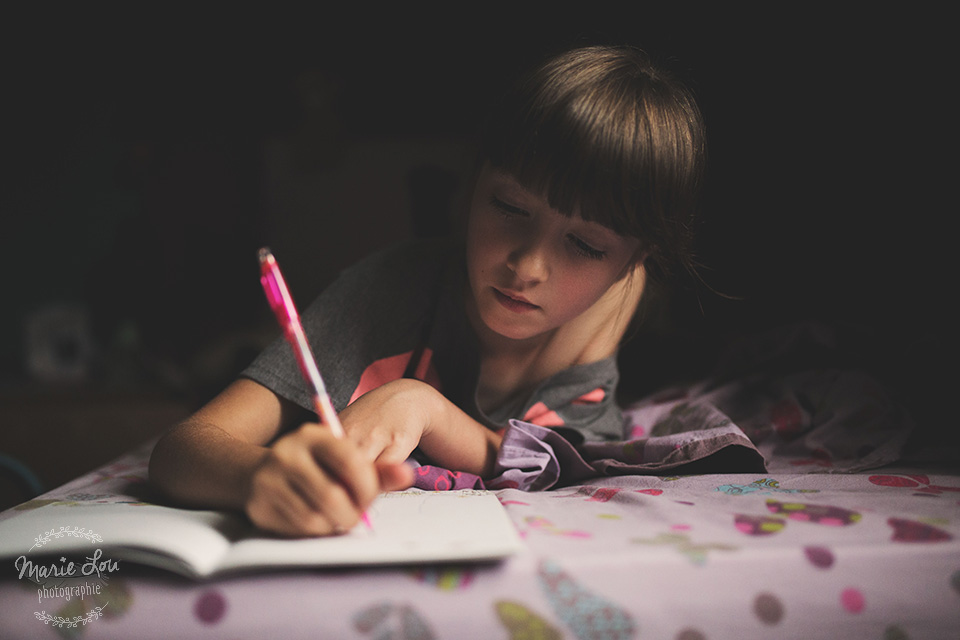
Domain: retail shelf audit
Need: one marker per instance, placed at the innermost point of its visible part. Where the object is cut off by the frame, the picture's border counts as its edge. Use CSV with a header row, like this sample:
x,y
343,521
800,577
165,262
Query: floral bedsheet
x,y
763,502
693,557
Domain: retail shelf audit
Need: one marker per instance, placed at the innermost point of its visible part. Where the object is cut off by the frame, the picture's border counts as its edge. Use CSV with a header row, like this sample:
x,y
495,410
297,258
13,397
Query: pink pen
x,y
282,304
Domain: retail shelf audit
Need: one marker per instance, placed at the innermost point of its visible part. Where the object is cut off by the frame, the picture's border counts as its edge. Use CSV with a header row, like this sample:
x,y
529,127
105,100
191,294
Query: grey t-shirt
x,y
400,313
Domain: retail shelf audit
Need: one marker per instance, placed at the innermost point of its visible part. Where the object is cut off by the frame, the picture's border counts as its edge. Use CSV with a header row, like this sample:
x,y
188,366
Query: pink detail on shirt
x,y
540,414
385,370
591,397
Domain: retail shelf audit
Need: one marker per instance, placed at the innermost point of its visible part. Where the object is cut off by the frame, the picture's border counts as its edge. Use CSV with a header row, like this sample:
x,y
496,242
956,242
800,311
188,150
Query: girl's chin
x,y
510,330
492,318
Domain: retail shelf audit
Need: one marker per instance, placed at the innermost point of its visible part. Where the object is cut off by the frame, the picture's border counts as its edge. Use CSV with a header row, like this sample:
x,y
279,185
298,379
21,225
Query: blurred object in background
x,y
18,482
58,345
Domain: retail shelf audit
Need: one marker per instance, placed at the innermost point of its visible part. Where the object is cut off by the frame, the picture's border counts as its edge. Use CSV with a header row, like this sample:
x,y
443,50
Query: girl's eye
x,y
586,250
581,247
505,209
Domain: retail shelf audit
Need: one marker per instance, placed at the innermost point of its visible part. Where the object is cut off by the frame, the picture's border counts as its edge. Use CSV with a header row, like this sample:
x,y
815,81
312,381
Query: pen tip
x,y
263,253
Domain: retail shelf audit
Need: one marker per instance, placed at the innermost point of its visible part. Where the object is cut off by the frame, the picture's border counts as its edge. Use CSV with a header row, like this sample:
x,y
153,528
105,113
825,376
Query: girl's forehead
x,y
507,180
502,175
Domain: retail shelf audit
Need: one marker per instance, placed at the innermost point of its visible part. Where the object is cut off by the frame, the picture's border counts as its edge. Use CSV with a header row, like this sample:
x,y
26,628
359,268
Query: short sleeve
x,y
372,311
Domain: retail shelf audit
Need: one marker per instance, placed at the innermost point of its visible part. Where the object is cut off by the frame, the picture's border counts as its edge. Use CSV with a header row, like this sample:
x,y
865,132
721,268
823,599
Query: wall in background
x,y
149,154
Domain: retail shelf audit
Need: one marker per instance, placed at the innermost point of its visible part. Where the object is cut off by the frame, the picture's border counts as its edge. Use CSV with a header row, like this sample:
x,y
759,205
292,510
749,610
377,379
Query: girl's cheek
x,y
488,245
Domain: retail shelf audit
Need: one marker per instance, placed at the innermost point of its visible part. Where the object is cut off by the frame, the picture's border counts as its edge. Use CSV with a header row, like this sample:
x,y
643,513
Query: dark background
x,y
148,154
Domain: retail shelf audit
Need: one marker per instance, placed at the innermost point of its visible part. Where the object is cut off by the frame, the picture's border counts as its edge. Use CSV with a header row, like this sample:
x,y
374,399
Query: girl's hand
x,y
387,423
311,483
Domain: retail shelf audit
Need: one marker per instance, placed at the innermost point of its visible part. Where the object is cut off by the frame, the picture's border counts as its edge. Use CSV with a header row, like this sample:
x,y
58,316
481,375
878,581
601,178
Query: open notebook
x,y
407,527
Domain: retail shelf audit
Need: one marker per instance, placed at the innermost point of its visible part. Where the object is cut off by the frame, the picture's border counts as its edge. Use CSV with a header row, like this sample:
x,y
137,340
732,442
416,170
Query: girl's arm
x,y
207,459
305,483
389,422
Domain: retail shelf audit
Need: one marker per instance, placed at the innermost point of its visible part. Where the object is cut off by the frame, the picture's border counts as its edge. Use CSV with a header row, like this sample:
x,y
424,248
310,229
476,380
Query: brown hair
x,y
601,131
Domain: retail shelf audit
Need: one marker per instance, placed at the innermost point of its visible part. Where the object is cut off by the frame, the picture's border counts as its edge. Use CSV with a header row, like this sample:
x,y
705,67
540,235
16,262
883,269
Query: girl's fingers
x,y
394,477
275,506
371,445
353,472
288,515
312,484
392,455
324,501
286,512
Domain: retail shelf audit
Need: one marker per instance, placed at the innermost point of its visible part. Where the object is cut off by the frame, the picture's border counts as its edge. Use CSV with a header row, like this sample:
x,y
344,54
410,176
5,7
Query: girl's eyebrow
x,y
600,233
514,189
507,180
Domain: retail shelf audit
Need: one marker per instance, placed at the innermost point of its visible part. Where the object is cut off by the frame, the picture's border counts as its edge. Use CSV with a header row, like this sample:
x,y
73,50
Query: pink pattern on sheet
x,y
818,458
758,525
210,607
820,557
637,431
788,419
603,494
913,531
852,600
919,482
546,526
815,513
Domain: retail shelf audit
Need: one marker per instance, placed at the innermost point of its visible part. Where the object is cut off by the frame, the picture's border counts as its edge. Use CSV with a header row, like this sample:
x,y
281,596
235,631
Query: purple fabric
x,y
431,478
535,458
768,409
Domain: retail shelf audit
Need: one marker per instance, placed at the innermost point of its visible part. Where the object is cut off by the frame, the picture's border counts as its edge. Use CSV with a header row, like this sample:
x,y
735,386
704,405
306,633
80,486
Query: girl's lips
x,y
515,303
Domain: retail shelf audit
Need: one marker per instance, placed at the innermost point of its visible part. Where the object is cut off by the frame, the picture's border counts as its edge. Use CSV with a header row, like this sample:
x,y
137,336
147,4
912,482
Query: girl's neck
x,y
510,367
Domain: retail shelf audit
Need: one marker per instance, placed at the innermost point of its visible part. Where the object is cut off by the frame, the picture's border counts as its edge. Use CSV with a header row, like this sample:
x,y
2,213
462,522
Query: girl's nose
x,y
529,263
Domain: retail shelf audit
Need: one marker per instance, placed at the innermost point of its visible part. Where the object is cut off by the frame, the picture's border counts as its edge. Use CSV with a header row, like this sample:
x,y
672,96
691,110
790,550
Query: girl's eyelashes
x,y
586,250
581,247
506,209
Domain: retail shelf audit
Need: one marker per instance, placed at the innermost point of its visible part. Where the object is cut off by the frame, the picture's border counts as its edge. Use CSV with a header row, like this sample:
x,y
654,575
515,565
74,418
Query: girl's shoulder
x,y
416,258
401,280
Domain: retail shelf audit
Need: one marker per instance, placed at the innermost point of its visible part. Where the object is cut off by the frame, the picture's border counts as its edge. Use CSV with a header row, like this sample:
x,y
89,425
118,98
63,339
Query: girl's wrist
x,y
450,437
427,404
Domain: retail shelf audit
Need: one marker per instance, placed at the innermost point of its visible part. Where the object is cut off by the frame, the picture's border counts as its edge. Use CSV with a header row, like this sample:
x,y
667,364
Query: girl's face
x,y
532,269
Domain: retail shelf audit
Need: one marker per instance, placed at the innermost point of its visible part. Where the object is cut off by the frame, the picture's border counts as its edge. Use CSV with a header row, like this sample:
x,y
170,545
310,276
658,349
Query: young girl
x,y
584,190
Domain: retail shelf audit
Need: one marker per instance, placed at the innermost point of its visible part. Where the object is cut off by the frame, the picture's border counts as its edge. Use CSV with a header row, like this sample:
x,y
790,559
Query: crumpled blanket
x,y
756,414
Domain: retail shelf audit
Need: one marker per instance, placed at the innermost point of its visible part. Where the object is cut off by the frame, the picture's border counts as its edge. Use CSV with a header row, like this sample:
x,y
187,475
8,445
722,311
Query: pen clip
x,y
281,302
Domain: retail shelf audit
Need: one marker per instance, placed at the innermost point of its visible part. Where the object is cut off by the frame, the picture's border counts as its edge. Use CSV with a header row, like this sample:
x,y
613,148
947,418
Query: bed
x,y
774,504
